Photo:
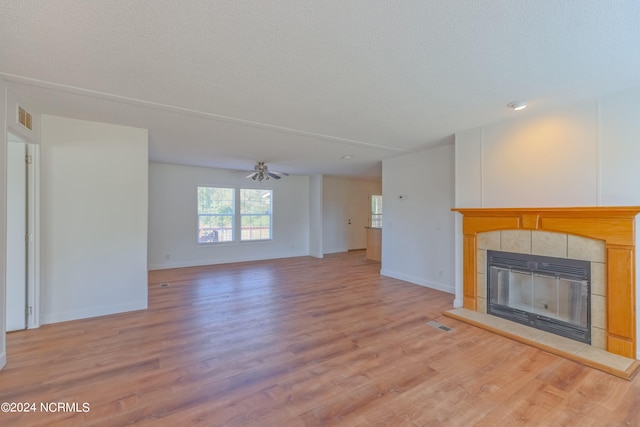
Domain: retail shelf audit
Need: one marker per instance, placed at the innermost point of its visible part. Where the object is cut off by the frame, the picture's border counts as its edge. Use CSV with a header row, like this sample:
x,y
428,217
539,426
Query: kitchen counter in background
x,y
374,243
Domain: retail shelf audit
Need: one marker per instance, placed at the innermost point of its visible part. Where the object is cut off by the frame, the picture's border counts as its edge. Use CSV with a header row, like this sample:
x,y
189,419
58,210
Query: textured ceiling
x,y
300,83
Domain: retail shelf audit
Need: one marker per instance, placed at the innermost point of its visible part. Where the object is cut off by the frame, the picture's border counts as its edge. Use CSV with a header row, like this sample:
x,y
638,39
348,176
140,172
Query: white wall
x,y
335,234
3,219
15,272
418,229
93,219
315,216
619,136
585,154
335,209
173,218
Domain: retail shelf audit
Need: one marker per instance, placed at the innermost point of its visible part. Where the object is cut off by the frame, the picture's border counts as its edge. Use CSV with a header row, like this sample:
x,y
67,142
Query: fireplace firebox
x,y
547,293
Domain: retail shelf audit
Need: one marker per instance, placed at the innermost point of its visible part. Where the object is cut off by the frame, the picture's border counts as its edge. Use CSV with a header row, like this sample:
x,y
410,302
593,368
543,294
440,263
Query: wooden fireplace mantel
x,y
614,225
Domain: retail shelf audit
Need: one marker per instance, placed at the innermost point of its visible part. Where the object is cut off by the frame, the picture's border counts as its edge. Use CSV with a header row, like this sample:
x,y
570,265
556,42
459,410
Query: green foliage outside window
x,y
215,214
255,214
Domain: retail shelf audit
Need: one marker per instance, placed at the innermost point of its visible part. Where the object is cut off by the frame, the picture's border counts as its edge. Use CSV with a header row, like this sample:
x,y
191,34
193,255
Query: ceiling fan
x,y
261,172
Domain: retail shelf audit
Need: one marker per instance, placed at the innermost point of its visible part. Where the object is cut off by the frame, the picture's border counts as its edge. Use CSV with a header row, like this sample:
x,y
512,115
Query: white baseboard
x,y
201,262
92,312
316,254
3,359
335,251
418,281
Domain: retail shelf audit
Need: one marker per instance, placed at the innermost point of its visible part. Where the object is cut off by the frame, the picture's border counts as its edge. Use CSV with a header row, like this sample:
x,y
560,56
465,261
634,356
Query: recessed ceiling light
x,y
517,105
346,157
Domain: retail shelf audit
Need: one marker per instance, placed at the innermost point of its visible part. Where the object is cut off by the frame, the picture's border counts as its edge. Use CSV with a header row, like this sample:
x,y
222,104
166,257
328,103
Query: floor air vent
x,y
437,325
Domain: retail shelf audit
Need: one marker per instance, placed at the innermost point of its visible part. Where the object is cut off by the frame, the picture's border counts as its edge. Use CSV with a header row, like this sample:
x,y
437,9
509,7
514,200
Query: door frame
x,y
33,230
33,243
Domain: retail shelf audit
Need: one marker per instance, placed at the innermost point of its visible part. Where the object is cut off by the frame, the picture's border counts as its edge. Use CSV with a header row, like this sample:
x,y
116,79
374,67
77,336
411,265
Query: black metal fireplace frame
x,y
565,268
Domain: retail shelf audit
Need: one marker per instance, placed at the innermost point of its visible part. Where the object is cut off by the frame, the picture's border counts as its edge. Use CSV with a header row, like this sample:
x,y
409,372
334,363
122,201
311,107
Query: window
x,y
217,218
376,211
255,214
216,213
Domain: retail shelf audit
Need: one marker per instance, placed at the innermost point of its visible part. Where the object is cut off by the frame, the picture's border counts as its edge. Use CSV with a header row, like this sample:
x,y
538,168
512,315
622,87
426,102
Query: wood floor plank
x,y
299,342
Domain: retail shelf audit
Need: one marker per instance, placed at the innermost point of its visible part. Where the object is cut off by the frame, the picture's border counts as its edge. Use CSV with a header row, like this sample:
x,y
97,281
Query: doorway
x,y
358,212
21,260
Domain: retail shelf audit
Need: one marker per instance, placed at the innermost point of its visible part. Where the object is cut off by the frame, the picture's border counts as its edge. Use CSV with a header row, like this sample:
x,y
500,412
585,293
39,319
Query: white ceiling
x,y
300,83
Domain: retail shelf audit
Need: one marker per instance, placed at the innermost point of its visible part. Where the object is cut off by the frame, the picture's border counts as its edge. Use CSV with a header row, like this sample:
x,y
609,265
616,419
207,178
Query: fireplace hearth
x,y
547,293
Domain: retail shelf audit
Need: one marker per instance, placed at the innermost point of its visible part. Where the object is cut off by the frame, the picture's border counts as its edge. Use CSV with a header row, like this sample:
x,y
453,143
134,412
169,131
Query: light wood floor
x,y
299,342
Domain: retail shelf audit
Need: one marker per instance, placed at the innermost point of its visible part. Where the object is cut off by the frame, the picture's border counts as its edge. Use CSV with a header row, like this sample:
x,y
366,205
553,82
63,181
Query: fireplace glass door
x,y
542,292
549,296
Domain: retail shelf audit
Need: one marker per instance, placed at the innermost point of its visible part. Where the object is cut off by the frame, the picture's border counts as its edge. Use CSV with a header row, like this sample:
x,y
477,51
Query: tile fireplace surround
x,y
603,235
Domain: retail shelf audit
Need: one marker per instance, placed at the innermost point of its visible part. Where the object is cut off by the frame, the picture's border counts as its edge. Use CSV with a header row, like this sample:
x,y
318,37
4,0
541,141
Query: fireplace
x,y
547,293
608,233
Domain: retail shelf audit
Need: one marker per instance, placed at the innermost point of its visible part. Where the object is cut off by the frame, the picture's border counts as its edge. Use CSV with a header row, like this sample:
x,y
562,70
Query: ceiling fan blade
x,y
280,173
273,175
251,175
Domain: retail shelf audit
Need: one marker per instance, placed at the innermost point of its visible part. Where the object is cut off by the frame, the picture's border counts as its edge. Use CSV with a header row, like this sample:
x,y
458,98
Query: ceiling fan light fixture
x,y
262,173
517,105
